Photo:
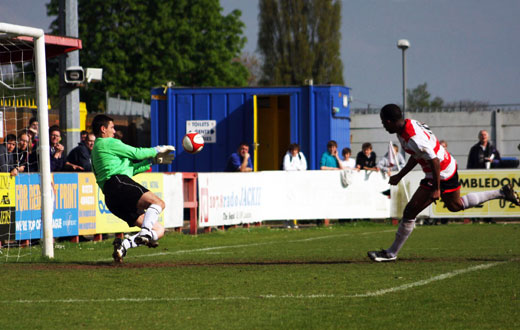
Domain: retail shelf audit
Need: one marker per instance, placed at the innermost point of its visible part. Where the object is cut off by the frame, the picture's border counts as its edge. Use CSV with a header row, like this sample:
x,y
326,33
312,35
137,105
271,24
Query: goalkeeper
x,y
114,163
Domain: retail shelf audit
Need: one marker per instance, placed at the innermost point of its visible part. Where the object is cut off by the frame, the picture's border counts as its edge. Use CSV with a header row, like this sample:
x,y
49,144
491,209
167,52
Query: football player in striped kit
x,y
441,177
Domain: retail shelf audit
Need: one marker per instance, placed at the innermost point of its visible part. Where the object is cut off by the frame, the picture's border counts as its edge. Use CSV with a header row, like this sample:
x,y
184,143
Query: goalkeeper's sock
x,y
475,198
129,242
405,229
151,216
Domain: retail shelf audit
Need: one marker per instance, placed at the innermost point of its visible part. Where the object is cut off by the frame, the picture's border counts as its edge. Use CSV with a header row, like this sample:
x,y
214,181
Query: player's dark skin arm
x,y
435,165
394,179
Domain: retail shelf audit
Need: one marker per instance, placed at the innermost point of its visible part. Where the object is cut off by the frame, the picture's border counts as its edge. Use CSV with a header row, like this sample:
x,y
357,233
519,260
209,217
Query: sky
x,y
463,49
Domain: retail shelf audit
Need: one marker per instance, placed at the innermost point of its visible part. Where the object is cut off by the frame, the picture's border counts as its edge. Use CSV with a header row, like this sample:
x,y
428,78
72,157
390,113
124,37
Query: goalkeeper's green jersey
x,y
112,157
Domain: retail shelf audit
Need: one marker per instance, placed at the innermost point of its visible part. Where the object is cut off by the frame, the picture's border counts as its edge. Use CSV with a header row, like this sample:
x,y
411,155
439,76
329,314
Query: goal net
x,y
25,182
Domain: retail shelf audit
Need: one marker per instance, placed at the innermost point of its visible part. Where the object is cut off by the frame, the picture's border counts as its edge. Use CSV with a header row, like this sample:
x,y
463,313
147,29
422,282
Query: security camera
x,y
403,44
74,75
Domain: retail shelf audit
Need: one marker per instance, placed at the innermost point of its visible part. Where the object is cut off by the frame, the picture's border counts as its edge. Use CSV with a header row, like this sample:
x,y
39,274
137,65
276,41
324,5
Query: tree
x,y
299,40
419,98
142,44
252,64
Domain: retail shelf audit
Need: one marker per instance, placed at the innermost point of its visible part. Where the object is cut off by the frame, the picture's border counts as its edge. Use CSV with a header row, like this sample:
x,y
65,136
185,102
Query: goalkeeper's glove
x,y
164,155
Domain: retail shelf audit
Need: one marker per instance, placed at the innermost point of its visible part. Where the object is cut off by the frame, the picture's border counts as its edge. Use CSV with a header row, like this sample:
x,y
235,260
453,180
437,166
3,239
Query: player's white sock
x,y
403,231
151,215
151,232
129,242
475,198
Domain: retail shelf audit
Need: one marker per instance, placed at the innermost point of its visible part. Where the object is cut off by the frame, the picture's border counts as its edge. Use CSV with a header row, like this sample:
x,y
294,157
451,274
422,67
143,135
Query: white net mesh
x,y
20,203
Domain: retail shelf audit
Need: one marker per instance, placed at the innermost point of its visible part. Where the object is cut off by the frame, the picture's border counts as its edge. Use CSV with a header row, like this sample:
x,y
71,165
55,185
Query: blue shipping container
x,y
267,118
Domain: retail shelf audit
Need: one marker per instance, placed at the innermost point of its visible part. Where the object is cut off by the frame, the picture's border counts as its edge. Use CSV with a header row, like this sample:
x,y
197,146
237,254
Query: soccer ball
x,y
193,142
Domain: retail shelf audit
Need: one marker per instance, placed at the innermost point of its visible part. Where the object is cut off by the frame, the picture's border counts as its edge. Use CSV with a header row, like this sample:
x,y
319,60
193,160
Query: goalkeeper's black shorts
x,y
121,197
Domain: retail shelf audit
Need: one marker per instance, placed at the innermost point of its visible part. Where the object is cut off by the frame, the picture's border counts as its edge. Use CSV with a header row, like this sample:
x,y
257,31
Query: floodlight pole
x,y
404,44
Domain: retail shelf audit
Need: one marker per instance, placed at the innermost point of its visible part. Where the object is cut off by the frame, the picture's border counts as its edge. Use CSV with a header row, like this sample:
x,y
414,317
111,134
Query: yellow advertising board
x,y
483,180
87,203
7,204
106,222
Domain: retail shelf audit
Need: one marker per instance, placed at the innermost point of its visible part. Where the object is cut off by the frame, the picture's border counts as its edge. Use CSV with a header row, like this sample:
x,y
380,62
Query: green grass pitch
x,y
450,276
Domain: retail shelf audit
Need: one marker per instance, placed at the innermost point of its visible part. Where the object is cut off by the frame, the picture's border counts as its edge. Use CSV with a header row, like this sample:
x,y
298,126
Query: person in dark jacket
x,y
79,157
483,152
8,160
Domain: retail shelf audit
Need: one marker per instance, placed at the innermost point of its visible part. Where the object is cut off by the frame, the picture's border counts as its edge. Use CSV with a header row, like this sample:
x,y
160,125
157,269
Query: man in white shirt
x,y
294,160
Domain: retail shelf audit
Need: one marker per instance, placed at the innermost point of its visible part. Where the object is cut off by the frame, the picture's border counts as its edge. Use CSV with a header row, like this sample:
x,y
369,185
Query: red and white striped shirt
x,y
418,140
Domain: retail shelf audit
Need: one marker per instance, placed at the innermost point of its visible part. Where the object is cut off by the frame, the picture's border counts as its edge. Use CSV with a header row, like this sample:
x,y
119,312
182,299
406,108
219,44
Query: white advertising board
x,y
235,198
173,196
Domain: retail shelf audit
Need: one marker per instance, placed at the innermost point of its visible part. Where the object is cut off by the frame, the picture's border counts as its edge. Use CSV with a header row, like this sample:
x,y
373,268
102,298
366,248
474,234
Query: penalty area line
x,y
369,294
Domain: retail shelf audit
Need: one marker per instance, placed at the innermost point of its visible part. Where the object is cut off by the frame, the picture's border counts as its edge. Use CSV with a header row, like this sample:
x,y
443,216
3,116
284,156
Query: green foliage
x,y
299,40
143,44
419,98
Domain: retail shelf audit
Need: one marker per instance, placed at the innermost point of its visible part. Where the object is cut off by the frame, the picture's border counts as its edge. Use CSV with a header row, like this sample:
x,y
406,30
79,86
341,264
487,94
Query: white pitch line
x,y
246,245
267,296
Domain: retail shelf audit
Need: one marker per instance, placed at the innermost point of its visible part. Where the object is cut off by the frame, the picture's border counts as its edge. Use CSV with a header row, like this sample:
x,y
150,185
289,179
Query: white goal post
x,y
38,36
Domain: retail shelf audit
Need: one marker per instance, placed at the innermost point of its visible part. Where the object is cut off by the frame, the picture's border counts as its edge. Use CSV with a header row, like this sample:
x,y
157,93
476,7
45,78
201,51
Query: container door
x,y
272,131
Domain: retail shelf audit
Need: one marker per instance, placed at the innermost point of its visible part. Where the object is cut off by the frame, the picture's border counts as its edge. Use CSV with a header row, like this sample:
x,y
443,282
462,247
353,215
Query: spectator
x,y
119,135
79,157
387,165
294,160
330,158
482,152
240,161
366,158
32,130
8,160
57,157
23,152
444,144
347,162
83,135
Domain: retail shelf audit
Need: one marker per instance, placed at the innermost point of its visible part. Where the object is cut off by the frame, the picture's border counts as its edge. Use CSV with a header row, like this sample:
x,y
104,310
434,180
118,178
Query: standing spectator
x,y
482,152
79,157
294,160
22,151
240,161
386,164
83,135
366,158
32,130
347,162
8,160
57,157
444,144
330,158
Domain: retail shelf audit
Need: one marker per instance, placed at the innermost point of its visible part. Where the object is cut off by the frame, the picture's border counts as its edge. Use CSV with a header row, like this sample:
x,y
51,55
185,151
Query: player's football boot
x,y
380,256
119,250
510,194
144,237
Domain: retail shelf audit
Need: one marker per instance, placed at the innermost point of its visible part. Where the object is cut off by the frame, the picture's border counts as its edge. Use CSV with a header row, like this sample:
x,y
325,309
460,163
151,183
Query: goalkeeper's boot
x,y
510,194
381,256
119,250
144,237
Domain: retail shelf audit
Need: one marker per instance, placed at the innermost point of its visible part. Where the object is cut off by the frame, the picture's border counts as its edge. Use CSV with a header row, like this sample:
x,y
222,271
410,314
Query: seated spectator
x,y
347,162
330,158
366,158
22,152
79,157
389,164
483,152
240,161
57,157
8,159
294,160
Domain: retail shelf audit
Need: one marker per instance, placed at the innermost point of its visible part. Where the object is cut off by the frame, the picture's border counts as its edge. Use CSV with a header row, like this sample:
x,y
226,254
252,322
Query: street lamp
x,y
404,44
